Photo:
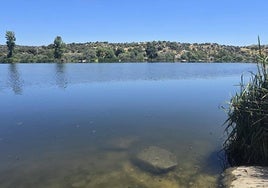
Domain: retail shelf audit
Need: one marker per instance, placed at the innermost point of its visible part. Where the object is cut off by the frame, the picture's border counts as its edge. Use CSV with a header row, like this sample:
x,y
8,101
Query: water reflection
x,y
64,75
61,78
14,80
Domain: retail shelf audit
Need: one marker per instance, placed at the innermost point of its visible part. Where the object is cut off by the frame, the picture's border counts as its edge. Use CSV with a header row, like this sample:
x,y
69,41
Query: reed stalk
x,y
247,123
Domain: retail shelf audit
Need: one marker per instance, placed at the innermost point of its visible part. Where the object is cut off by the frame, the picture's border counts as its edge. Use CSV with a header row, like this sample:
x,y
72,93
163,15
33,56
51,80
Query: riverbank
x,y
155,51
251,176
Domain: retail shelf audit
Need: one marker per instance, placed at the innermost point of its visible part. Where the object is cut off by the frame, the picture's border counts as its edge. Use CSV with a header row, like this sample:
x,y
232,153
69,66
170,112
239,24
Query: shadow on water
x,y
215,159
14,80
61,78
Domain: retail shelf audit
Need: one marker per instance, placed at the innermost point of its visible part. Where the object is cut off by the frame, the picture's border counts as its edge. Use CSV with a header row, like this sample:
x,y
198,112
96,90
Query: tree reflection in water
x,y
14,80
61,79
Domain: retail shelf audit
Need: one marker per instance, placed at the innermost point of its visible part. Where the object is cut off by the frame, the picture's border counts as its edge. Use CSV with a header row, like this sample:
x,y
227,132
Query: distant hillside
x,y
156,51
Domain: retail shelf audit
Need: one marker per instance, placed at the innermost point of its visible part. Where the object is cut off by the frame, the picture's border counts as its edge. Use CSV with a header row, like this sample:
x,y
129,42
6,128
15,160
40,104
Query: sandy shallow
x,y
111,170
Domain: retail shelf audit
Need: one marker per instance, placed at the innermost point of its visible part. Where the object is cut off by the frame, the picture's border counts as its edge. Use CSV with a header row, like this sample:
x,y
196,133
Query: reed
x,y
247,123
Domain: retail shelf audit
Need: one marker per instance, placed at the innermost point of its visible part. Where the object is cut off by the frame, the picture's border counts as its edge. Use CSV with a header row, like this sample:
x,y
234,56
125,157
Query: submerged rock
x,y
156,160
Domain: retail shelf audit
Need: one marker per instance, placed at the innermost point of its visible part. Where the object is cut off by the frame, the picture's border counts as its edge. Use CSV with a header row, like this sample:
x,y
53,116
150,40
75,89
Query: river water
x,y
79,125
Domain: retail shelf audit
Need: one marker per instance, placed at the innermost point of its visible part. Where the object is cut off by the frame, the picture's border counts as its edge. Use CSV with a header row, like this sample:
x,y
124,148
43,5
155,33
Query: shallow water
x,y
79,125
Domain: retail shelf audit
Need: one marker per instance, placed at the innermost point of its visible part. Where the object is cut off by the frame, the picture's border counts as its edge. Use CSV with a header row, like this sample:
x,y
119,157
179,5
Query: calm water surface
x,y
79,125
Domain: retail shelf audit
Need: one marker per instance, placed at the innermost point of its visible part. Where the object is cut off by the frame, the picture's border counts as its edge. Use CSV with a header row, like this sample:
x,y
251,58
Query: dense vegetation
x,y
247,125
156,51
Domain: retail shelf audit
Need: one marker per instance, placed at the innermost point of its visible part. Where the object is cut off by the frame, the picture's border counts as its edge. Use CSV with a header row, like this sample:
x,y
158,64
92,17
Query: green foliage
x,y
106,55
10,37
173,45
58,47
166,57
151,51
247,123
190,56
223,56
119,51
161,51
90,55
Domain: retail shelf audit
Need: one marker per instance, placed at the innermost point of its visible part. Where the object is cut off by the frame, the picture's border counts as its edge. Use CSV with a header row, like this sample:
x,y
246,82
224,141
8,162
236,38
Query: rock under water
x,y
156,160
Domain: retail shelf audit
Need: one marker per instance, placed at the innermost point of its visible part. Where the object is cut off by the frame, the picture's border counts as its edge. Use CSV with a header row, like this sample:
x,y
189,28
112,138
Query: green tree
x,y
151,51
90,55
106,55
58,47
10,36
119,51
173,45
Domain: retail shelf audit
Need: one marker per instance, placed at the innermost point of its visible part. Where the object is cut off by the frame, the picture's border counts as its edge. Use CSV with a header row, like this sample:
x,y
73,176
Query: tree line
x,y
58,47
155,51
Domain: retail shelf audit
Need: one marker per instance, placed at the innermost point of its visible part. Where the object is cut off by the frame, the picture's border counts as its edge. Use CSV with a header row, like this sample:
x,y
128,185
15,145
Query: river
x,y
79,125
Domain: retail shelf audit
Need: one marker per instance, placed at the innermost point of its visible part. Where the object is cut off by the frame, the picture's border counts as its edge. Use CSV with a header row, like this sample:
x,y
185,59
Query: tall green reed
x,y
247,123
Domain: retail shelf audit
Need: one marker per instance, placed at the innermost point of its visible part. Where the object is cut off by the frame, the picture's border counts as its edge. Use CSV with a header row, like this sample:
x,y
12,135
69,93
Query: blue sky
x,y
38,22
